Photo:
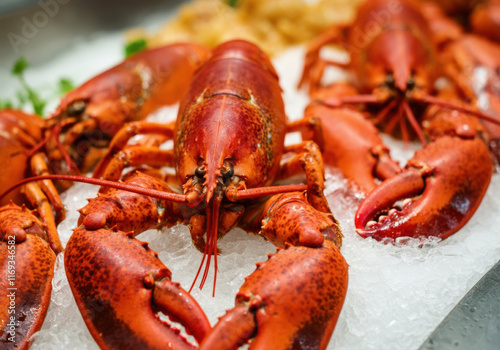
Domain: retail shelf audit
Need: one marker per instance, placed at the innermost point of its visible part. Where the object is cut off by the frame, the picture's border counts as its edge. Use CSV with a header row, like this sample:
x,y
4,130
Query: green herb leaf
x,y
6,104
20,66
27,94
22,98
232,3
65,85
37,103
135,46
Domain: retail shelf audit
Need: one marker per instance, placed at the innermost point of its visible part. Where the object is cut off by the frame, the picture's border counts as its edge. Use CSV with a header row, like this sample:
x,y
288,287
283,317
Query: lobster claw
x,y
441,188
26,272
291,301
119,285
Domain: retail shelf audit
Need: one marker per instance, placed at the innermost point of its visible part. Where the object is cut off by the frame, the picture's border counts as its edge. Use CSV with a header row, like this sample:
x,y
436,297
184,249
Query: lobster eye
x,y
410,84
76,108
200,172
389,79
227,171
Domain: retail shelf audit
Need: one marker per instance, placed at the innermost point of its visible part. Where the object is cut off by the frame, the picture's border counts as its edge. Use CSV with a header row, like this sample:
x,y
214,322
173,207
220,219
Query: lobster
x,y
89,116
228,148
395,82
77,134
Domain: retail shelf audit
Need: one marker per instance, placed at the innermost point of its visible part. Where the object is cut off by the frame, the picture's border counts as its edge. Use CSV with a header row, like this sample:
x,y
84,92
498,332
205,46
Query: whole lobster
x,y
228,145
394,62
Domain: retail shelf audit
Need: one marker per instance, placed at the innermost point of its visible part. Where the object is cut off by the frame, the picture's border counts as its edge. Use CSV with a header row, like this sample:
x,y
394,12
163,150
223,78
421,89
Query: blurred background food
x,y
273,25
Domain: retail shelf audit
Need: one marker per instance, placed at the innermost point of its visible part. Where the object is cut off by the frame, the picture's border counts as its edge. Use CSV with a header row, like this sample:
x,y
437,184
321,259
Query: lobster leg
x,y
121,139
311,125
120,303
314,65
308,159
130,211
293,300
135,156
442,185
26,269
38,168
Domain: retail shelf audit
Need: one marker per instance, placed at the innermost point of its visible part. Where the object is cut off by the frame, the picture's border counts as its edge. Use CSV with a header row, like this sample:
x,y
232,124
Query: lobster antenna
x,y
212,231
55,133
268,191
413,121
353,99
384,112
173,197
395,119
437,101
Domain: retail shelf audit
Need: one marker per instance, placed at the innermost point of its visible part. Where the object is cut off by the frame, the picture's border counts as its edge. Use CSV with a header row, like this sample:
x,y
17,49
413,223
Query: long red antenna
x,y
174,197
437,101
268,191
352,99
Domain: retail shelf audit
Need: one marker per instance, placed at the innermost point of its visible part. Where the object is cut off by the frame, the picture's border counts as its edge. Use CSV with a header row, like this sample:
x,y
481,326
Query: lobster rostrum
x,y
394,61
228,148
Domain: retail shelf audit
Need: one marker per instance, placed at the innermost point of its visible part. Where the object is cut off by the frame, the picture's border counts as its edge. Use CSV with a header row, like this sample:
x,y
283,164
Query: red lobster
x,y
228,144
394,62
78,131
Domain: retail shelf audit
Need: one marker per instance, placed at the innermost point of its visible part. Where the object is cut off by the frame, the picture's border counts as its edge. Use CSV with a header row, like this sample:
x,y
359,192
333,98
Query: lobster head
x,y
394,52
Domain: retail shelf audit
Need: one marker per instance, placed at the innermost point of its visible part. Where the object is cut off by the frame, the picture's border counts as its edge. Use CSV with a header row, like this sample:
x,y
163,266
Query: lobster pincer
x,y
26,268
293,300
120,303
435,195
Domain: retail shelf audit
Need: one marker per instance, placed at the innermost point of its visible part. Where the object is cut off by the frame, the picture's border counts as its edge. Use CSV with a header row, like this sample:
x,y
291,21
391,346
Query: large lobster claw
x,y
291,301
26,271
120,284
441,188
